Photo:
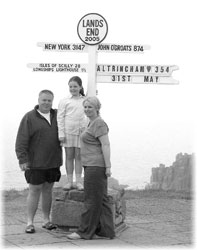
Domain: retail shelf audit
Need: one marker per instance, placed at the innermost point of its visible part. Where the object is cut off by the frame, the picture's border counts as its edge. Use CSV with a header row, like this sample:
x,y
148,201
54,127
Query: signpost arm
x,y
92,63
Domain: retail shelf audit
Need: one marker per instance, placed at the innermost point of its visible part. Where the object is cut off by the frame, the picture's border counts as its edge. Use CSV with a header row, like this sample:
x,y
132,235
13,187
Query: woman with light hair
x,y
97,217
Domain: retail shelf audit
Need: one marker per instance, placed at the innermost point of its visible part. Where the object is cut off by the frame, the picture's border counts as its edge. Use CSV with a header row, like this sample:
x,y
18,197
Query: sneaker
x,y
30,229
97,237
79,186
68,186
74,236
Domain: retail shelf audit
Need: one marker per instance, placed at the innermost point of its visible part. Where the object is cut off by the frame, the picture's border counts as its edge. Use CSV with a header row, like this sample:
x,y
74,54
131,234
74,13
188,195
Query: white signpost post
x,y
92,30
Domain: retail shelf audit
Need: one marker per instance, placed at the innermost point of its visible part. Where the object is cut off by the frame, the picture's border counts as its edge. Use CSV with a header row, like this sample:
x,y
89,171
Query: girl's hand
x,y
108,172
62,139
81,129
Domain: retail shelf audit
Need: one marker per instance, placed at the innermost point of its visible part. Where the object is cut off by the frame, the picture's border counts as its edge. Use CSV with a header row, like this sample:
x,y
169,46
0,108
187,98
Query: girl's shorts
x,y
71,141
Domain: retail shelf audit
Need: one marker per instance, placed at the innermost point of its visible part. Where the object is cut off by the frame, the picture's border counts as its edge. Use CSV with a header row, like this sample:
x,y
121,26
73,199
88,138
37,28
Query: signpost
x,y
163,70
126,48
106,69
103,47
58,67
136,79
64,47
92,29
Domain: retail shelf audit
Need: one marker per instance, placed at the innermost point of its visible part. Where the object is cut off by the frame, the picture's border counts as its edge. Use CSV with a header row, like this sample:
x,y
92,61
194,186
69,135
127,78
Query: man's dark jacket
x,y
37,141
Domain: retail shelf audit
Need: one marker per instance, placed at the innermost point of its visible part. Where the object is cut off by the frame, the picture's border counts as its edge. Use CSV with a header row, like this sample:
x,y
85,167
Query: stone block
x,y
67,207
60,196
118,220
123,209
115,194
67,213
76,195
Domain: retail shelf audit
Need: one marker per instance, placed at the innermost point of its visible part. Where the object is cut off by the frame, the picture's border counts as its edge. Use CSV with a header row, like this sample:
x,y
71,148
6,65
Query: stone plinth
x,y
67,207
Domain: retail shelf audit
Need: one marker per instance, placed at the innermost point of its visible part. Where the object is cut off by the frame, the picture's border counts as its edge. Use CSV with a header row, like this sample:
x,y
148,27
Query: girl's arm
x,y
61,120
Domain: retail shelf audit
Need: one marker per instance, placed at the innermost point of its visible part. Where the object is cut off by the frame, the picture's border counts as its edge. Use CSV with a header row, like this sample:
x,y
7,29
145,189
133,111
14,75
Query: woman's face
x,y
74,88
90,110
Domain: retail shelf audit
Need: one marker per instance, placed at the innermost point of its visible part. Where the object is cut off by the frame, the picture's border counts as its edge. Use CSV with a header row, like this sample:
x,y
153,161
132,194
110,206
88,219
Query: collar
x,y
72,97
52,111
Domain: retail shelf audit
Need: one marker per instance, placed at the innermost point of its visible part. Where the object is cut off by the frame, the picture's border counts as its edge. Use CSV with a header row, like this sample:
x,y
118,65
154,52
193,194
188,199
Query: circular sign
x,y
92,29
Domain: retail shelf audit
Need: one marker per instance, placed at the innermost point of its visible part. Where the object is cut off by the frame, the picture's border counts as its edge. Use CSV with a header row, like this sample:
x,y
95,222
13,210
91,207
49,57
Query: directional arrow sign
x,y
107,69
163,70
58,67
127,48
64,47
102,47
147,79
115,75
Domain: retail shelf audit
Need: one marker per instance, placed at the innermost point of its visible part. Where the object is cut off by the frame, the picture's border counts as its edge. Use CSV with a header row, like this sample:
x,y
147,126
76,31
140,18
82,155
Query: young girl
x,y
71,121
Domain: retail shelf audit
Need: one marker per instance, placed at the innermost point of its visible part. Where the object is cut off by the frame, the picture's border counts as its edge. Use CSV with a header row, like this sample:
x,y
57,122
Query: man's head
x,y
45,101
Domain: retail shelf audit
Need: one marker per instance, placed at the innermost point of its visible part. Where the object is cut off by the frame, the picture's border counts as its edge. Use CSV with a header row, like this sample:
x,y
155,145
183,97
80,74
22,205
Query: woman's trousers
x,y
97,217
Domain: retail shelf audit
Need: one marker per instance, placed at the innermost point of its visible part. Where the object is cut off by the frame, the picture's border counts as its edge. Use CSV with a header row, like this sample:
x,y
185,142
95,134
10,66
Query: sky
x,y
141,117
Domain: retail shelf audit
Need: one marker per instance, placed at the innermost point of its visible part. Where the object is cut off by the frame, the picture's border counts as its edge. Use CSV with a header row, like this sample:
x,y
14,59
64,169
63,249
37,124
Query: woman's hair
x,y
79,82
94,101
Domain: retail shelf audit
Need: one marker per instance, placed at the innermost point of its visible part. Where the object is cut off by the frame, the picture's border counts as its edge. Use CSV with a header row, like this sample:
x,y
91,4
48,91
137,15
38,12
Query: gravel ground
x,y
153,218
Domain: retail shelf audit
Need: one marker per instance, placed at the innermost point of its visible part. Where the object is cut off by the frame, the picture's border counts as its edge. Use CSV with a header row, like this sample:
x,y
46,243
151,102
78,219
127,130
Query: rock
x,y
68,205
67,213
177,177
76,195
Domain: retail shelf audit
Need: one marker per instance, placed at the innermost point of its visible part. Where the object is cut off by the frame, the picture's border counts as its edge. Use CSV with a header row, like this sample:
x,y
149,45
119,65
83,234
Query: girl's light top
x,y
71,117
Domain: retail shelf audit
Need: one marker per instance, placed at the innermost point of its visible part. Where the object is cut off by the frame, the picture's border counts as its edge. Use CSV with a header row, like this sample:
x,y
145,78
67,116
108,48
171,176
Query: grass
x,y
12,194
150,193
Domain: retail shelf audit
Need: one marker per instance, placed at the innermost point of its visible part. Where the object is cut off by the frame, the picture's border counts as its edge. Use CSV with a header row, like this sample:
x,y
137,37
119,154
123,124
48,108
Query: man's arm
x,y
22,141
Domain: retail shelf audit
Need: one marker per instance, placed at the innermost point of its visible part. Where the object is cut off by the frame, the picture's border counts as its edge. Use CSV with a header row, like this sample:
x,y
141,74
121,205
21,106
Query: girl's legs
x,y
78,169
70,155
73,160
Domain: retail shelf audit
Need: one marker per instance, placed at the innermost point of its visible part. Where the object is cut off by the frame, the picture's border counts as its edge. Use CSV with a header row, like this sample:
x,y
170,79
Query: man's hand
x,y
24,166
